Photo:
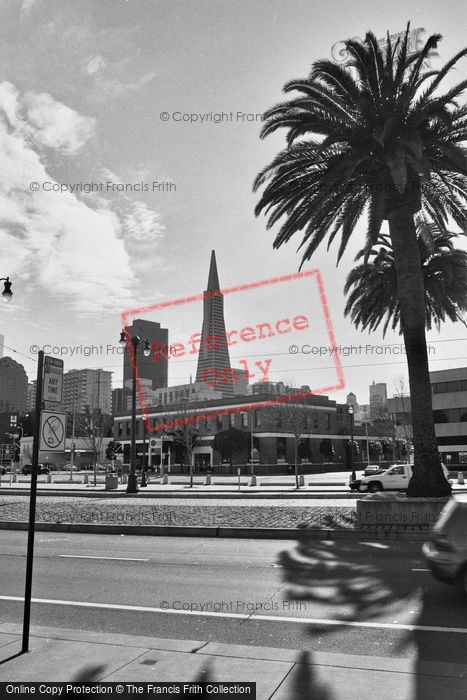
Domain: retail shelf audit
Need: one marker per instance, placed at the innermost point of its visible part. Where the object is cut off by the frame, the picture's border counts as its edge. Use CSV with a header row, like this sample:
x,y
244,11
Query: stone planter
x,y
397,511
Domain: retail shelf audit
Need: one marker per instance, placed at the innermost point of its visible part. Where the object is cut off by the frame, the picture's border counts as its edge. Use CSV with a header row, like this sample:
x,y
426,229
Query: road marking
x,y
85,556
242,616
420,569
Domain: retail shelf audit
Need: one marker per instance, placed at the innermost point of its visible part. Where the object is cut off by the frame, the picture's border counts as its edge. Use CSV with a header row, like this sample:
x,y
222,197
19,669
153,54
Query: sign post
x,y
49,434
32,506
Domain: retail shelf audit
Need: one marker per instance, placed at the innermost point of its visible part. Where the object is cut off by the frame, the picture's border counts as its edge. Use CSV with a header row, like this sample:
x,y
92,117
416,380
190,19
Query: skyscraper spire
x,y
214,368
213,279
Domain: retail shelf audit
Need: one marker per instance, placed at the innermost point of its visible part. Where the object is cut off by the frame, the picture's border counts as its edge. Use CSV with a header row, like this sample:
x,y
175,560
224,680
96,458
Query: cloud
x,y
94,64
63,246
53,124
142,225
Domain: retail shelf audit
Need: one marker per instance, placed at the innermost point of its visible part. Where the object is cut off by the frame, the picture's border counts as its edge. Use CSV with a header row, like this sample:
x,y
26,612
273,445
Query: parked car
x,y
396,478
66,467
446,551
50,465
373,469
42,469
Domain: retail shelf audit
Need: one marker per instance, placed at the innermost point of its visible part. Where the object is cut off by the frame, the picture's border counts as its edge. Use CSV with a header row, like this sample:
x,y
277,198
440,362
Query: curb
x,y
333,495
224,532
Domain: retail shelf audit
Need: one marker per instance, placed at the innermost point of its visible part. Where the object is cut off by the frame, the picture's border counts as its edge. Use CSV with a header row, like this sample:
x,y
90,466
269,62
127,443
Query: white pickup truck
x,y
396,478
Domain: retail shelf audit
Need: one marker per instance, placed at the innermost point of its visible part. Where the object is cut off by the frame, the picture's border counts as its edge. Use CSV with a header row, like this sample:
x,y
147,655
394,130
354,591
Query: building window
x,y
128,428
257,419
463,385
232,420
244,420
120,429
463,415
328,421
453,415
219,425
315,420
440,388
440,416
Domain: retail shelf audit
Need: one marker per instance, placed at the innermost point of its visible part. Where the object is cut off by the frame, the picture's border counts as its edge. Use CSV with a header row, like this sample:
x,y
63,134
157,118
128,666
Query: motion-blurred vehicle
x,y
446,551
42,469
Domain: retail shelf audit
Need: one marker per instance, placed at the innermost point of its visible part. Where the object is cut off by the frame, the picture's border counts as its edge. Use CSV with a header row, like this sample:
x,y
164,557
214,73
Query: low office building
x,y
449,388
323,430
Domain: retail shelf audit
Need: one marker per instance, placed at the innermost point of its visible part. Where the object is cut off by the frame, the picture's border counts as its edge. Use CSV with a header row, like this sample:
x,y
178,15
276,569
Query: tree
x,y
292,418
188,433
327,450
375,139
93,426
403,416
372,286
232,444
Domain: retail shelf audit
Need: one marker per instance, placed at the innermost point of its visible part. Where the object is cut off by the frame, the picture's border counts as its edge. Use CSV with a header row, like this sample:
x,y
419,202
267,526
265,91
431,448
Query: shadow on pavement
x,y
357,581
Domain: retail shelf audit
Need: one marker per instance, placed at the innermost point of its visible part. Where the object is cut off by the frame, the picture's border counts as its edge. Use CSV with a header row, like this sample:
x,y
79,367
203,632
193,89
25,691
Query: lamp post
x,y
143,473
252,443
351,410
132,486
7,294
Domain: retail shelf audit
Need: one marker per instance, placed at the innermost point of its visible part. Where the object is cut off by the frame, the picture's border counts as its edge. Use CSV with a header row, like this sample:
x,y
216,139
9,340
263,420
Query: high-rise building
x,y
148,368
13,386
214,368
87,389
31,402
120,398
352,401
378,400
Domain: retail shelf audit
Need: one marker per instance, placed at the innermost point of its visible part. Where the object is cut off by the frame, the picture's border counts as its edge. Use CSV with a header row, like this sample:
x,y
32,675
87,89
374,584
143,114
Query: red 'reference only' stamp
x,y
190,347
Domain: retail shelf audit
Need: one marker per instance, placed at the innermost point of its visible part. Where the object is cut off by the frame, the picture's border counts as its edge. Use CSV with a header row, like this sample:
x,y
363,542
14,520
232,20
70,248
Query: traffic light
x,y
109,453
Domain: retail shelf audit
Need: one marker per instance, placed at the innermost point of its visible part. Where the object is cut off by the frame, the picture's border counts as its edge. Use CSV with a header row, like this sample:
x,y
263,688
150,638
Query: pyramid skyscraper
x,y
213,359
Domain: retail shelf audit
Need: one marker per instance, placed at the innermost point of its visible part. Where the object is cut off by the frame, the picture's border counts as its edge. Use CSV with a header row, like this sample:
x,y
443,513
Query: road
x,y
343,597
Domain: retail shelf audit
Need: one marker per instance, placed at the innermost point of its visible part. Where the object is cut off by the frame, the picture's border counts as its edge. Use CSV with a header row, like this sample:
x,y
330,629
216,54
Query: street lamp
x,y
7,294
143,473
132,486
350,409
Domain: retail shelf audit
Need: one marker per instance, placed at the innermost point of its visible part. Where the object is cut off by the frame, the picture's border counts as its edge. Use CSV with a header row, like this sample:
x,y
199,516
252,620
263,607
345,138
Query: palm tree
x,y
373,285
375,140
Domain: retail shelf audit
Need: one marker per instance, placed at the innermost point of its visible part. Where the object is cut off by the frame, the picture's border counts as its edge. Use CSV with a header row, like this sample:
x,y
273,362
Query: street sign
x,y
53,379
53,431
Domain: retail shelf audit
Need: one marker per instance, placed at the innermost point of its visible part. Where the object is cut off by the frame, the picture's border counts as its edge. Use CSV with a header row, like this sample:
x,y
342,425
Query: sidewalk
x,y
179,488
281,674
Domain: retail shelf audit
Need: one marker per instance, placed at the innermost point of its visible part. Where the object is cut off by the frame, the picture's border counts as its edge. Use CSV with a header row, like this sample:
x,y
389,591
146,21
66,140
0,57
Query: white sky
x,y
82,87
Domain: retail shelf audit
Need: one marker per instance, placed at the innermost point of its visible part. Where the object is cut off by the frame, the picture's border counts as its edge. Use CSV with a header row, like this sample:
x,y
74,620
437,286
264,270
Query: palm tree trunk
x,y
428,478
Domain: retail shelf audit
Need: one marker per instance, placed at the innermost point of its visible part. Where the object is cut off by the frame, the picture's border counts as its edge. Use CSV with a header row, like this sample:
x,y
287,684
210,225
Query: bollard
x,y
86,479
124,478
301,480
460,477
165,479
48,479
13,478
207,481
253,480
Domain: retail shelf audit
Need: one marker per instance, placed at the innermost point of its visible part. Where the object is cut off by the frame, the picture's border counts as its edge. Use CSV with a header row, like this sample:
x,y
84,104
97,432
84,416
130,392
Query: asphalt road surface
x,y
342,597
